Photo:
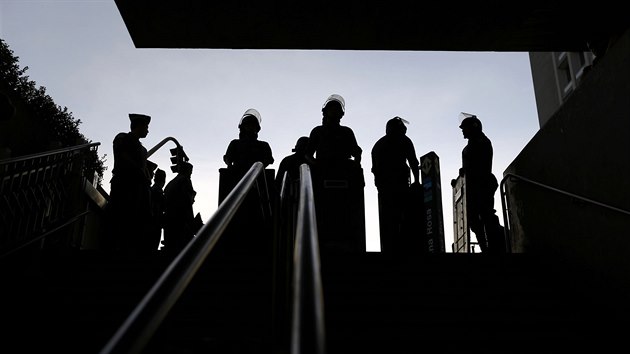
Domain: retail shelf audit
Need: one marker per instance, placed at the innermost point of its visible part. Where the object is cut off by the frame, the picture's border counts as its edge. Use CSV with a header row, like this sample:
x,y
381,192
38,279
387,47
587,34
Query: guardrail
x,y
308,326
505,201
137,330
39,193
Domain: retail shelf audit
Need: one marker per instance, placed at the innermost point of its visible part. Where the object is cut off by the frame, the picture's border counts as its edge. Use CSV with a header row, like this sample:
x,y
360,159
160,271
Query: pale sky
x,y
84,56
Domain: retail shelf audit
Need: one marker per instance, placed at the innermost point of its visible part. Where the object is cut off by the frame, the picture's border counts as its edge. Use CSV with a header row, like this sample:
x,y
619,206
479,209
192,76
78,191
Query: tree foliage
x,y
57,123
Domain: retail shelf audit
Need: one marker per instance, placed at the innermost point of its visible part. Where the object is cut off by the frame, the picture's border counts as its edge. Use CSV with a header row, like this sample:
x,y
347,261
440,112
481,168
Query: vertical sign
x,y
461,233
433,219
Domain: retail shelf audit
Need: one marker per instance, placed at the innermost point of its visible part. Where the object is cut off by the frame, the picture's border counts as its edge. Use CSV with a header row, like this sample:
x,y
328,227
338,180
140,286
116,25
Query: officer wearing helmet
x,y
180,225
290,165
332,142
335,159
247,149
481,184
393,157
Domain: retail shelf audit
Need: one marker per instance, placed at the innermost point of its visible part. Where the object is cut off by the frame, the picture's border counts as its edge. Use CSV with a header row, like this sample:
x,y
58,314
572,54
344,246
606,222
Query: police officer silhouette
x,y
247,149
335,159
393,157
130,193
481,184
290,165
331,142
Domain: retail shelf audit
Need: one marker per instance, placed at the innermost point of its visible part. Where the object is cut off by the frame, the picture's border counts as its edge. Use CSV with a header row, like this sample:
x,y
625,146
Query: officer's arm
x,y
311,146
228,158
413,161
356,149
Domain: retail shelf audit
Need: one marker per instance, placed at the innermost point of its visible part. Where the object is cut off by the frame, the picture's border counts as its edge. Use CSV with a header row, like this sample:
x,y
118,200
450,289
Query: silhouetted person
x,y
180,225
393,156
130,194
331,142
151,167
335,159
480,187
247,149
291,164
158,206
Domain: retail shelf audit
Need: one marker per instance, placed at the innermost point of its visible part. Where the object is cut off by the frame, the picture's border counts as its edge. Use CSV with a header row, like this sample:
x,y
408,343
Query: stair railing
x,y
505,202
307,324
138,329
40,195
283,241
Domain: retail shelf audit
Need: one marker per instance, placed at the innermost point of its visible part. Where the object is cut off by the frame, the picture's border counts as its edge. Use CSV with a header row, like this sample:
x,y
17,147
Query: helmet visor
x,y
251,112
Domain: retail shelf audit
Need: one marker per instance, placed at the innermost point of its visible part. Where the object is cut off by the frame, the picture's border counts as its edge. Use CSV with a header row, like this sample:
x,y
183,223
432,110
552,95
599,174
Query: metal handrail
x,y
50,152
45,234
33,180
307,329
139,327
505,200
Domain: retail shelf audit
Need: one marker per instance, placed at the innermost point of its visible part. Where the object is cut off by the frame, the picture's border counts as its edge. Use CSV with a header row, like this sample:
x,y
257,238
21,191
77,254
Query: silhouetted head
x,y
300,145
151,166
396,125
334,108
185,168
140,124
472,122
250,120
160,177
470,126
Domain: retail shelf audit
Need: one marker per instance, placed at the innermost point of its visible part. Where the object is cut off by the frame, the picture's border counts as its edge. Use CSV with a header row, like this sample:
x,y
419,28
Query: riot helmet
x,y
251,116
468,120
396,125
336,98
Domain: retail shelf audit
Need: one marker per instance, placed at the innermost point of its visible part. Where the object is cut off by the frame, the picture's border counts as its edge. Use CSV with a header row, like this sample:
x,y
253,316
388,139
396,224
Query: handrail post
x,y
307,330
507,225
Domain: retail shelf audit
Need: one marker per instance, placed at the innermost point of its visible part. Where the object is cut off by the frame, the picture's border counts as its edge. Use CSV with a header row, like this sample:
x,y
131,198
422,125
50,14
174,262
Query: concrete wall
x,y
583,149
546,91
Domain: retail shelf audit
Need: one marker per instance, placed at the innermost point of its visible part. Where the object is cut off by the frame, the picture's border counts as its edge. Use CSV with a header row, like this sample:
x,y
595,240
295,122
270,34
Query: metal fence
x,y
39,193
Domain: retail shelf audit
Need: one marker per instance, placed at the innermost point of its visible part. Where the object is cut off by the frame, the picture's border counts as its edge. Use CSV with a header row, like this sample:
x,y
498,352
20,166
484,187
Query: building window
x,y
565,80
581,63
582,59
560,56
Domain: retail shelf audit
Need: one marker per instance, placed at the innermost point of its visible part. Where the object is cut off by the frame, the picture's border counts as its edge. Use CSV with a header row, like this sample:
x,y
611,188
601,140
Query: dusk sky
x,y
84,56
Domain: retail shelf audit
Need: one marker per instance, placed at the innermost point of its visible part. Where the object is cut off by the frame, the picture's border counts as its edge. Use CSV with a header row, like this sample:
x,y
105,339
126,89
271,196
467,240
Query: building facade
x,y
555,76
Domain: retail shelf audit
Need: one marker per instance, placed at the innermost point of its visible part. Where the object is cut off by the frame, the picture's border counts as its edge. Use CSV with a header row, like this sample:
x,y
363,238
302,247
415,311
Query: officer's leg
x,y
476,226
475,222
492,227
387,221
495,234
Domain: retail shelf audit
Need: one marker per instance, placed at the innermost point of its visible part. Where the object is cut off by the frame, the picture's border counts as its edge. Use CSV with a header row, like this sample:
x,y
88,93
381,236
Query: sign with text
x,y
433,218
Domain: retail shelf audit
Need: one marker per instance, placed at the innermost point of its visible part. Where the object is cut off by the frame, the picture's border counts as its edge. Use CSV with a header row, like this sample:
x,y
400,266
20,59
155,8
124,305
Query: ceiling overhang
x,y
394,25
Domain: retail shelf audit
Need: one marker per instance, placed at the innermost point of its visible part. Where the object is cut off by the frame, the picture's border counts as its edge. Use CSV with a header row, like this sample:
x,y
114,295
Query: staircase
x,y
74,303
462,303
440,303
227,309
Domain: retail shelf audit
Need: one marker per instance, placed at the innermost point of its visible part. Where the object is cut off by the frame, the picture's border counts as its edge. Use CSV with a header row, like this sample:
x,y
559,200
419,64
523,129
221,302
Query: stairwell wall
x,y
584,149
